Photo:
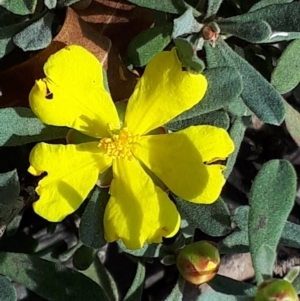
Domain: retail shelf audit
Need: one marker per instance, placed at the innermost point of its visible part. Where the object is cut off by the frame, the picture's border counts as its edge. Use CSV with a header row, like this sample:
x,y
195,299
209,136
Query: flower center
x,y
120,145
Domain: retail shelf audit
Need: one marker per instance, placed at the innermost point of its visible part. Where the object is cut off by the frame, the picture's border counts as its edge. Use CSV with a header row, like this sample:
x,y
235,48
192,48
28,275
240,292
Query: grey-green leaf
x,y
168,6
91,229
292,121
264,3
216,118
261,98
212,8
271,199
237,133
20,126
229,286
283,79
283,19
237,107
215,296
37,35
254,31
188,56
34,273
20,7
135,291
213,219
186,24
220,92
7,290
177,291
148,43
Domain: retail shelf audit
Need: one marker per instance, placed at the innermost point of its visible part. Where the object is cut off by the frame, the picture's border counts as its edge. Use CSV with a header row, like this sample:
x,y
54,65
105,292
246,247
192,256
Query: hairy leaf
x,y
37,35
264,3
34,273
263,100
271,199
253,31
20,126
213,219
212,8
7,290
91,229
292,121
215,296
20,7
148,43
219,93
216,118
135,291
286,74
238,108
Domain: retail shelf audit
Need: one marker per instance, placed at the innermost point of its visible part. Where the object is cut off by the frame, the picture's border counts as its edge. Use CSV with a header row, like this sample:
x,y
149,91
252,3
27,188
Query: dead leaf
x,y
16,82
119,20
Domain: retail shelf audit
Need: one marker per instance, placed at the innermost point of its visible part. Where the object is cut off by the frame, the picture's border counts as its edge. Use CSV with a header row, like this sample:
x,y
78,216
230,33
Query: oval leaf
x,y
7,290
282,78
292,121
91,229
148,43
258,94
271,199
20,126
34,273
213,219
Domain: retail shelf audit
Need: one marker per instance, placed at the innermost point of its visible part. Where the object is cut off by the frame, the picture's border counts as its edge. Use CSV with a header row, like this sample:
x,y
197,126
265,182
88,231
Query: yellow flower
x,y
138,211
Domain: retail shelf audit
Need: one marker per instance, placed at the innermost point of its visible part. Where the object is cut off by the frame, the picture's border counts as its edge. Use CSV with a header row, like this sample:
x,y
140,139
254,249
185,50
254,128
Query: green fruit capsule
x,y
198,262
276,290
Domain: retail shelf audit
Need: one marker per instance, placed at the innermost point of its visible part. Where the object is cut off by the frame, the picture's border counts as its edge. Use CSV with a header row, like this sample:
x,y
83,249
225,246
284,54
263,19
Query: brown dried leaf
x,y
16,82
119,20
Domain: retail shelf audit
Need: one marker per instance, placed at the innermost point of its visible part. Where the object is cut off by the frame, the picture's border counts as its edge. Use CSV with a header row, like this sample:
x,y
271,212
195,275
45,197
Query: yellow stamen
x,y
121,145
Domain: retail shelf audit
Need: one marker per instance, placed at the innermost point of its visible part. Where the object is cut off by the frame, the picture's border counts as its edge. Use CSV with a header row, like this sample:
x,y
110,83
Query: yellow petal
x,y
213,186
73,93
212,142
163,92
72,172
174,159
138,211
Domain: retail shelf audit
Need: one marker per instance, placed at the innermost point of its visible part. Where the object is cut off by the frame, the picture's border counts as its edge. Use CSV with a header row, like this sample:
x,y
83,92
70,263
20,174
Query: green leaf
x,y
292,121
186,24
168,6
148,43
282,78
98,273
254,31
91,229
7,290
177,291
283,19
213,219
264,261
290,236
20,126
238,108
216,118
220,92
10,205
20,7
9,26
34,273
188,56
135,291
50,4
271,199
261,98
37,35
237,133
264,3
83,258
215,296
212,8
229,286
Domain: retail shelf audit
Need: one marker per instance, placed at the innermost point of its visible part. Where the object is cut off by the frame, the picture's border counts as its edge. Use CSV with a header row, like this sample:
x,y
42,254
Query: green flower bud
x,y
276,290
198,262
